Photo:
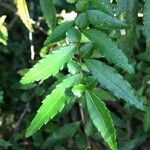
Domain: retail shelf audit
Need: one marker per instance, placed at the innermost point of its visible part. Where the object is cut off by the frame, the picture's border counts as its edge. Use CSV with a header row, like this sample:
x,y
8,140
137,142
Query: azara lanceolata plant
x,y
85,51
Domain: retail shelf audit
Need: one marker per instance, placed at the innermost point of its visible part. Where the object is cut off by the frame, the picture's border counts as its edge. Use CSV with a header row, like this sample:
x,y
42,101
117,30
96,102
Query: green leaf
x,y
101,118
59,32
4,143
147,23
50,65
82,21
114,82
104,95
73,67
73,35
51,105
132,144
128,10
2,19
61,135
22,11
103,21
3,35
103,5
49,12
86,50
109,49
82,5
146,120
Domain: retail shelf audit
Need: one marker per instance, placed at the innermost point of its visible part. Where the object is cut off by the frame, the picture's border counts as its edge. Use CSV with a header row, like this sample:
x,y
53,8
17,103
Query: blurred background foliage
x,y
18,104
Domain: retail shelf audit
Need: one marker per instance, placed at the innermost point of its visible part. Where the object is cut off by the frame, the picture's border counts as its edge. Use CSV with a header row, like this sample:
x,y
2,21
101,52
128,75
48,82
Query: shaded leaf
x,y
4,143
82,21
61,134
86,50
49,12
109,49
114,82
132,144
51,105
104,95
50,65
127,10
101,119
147,23
59,32
146,120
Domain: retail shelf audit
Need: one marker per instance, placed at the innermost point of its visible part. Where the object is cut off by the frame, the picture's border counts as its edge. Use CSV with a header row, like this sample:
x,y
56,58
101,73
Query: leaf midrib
x,y
41,118
46,68
116,85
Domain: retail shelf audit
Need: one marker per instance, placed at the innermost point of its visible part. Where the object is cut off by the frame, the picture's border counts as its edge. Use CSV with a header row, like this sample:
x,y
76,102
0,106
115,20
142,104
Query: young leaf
x,y
103,5
49,12
114,82
59,32
147,23
103,21
52,104
49,65
101,118
109,49
24,14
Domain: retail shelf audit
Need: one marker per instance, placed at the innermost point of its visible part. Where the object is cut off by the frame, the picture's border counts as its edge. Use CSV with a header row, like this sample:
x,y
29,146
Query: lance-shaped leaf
x,y
105,21
101,118
109,49
147,23
82,5
49,12
50,65
52,104
2,19
59,32
114,82
103,5
24,14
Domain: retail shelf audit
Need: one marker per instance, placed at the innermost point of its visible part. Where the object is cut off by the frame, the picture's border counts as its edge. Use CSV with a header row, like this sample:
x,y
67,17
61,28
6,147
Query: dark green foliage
x,y
103,21
49,12
103,5
59,32
82,21
92,73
